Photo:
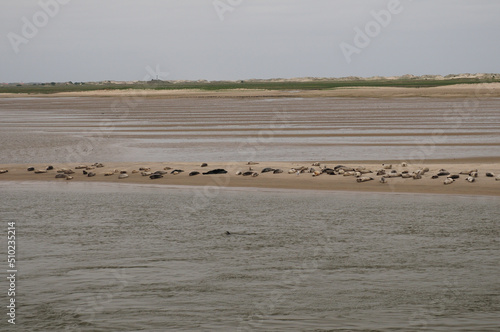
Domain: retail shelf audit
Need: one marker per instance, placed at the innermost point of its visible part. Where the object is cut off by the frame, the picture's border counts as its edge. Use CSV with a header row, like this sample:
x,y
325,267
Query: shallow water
x,y
222,129
114,257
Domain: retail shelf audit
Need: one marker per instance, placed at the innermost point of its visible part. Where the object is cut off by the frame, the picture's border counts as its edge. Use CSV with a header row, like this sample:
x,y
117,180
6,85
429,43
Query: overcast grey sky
x,y
89,40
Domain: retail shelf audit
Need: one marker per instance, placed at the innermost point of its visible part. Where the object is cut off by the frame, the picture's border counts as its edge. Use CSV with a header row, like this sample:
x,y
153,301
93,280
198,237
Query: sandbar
x,y
483,185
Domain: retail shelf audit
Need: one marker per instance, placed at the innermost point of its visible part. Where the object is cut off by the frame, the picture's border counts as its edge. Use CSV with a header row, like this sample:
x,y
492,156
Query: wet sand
x,y
482,186
89,129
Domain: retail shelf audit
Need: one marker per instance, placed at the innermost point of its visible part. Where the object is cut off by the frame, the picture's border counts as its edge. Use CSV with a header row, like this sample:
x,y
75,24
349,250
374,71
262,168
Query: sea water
x,y
117,257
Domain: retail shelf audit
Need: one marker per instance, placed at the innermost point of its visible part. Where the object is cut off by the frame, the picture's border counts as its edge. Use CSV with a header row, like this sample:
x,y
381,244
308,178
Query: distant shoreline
x,y
479,90
407,85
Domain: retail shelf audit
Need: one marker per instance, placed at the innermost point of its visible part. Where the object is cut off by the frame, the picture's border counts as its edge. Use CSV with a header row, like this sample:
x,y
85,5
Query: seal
x,y
216,171
392,175
267,169
448,181
155,176
176,171
364,179
329,171
193,173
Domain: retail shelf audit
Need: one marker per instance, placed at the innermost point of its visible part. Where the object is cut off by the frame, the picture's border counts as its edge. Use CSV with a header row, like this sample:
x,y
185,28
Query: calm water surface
x,y
114,257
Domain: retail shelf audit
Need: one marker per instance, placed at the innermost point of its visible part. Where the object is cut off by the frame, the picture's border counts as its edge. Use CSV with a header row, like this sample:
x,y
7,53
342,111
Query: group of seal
x,y
360,173
40,170
273,170
450,178
66,173
89,174
387,171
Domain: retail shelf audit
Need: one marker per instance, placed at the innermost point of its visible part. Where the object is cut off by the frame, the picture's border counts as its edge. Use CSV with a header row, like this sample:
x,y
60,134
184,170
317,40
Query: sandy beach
x,y
482,185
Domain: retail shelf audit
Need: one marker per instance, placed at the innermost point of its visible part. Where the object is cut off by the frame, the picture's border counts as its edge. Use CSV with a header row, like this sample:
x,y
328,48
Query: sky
x,y
95,40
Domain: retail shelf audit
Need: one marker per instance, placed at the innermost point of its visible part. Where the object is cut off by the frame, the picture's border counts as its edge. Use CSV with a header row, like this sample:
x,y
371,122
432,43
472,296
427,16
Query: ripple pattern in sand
x,y
213,129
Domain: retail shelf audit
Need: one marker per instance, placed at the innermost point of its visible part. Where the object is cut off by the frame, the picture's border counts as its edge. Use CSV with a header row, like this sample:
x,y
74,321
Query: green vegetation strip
x,y
48,88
